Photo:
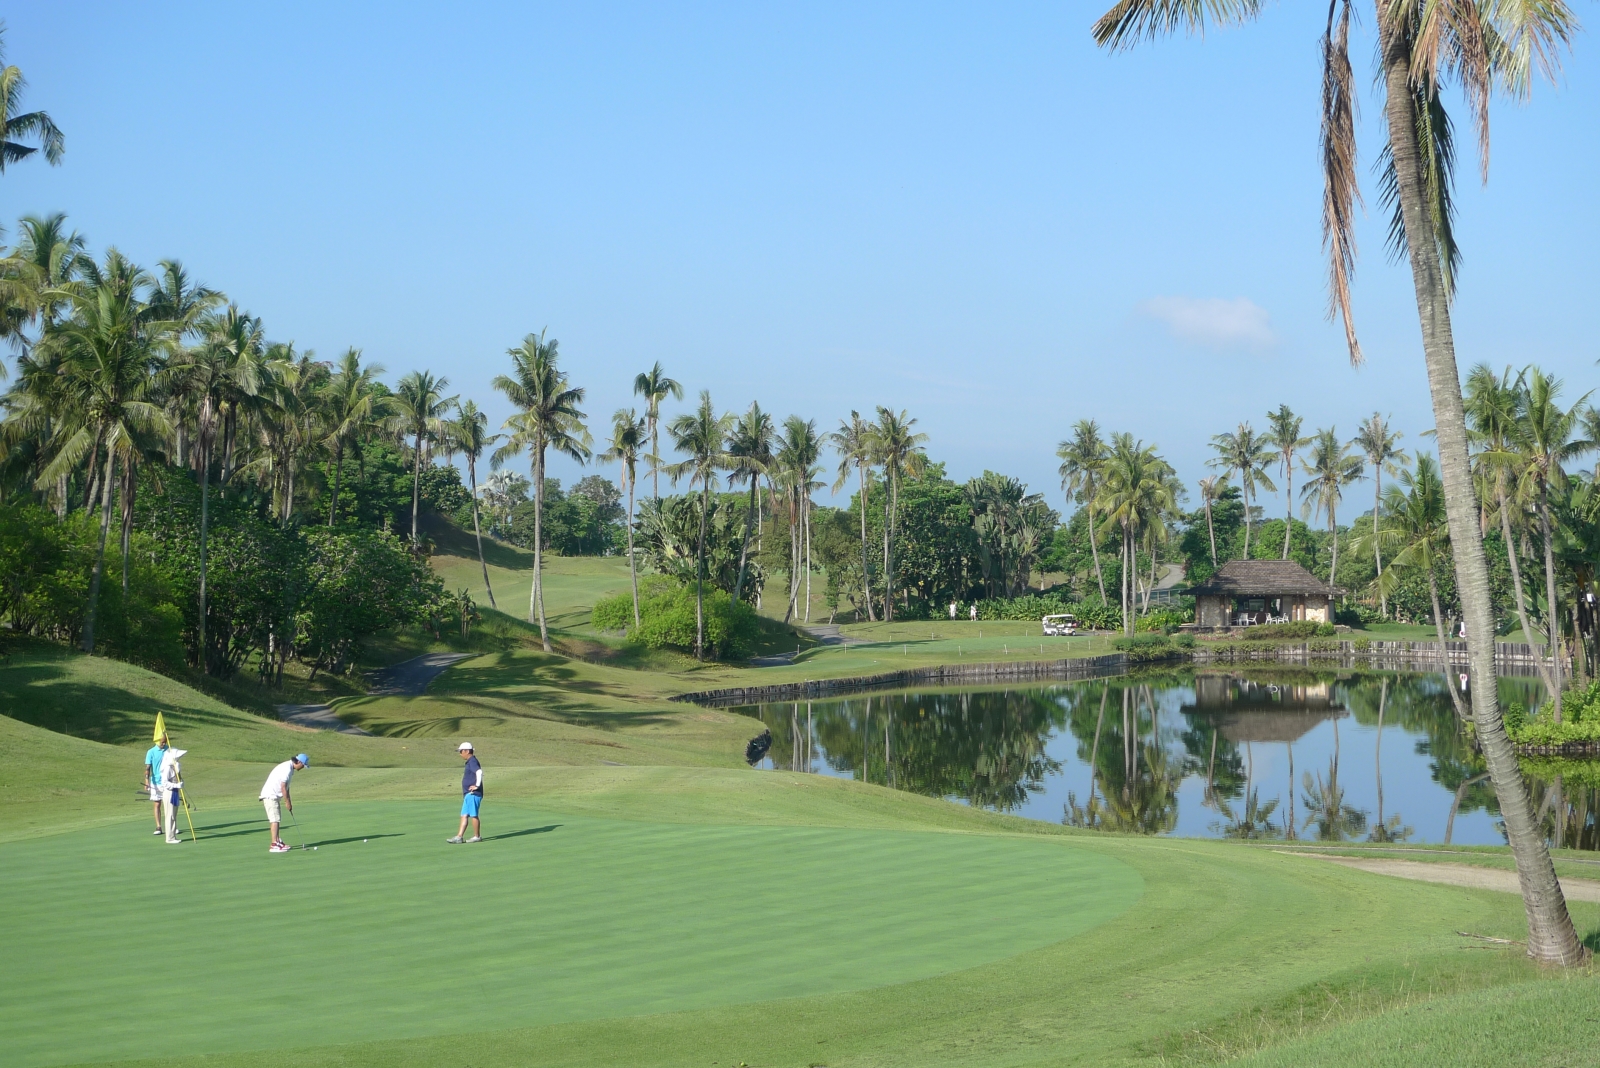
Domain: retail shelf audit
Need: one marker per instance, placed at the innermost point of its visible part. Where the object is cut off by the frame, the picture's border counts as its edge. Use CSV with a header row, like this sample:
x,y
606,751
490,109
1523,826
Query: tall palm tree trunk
x,y
700,573
338,470
744,543
806,519
1438,626
1288,515
204,452
130,484
416,489
477,532
1516,585
1333,564
1246,495
1377,550
536,595
1551,615
866,574
655,461
1094,551
794,554
100,551
888,561
1211,532
1551,936
633,563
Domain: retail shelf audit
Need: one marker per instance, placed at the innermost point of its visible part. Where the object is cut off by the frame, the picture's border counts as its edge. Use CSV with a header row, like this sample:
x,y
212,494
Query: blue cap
x,y
304,759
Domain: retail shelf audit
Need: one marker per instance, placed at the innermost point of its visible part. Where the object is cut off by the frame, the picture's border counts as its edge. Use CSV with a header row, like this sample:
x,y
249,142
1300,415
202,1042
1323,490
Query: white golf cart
x,y
1063,626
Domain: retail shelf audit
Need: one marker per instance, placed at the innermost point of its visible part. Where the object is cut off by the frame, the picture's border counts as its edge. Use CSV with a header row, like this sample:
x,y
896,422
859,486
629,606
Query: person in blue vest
x,y
152,779
471,796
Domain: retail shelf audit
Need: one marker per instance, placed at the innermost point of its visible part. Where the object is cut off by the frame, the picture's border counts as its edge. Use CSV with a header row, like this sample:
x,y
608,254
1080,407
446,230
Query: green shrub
x,y
1580,720
1145,648
667,614
1163,621
1301,629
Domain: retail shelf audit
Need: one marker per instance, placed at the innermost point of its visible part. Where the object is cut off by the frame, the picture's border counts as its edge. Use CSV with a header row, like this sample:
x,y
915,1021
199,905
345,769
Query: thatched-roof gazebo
x,y
1247,592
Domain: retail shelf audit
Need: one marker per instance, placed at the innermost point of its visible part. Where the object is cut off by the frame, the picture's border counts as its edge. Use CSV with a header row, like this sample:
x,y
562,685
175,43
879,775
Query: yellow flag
x,y
161,728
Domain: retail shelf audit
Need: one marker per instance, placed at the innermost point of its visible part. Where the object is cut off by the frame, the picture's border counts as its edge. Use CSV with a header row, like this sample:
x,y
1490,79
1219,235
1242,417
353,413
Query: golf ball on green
x,y
313,849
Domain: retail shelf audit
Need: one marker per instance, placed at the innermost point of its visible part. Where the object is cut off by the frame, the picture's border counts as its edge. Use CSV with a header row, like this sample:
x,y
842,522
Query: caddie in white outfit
x,y
171,796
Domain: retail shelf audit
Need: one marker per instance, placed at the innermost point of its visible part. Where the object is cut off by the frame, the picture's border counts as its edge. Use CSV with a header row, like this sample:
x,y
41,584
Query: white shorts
x,y
271,805
155,794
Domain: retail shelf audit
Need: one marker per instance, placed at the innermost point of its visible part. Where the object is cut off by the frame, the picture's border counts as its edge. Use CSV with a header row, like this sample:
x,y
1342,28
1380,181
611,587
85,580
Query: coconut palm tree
x,y
17,125
469,434
1381,447
628,435
702,435
106,356
899,454
1211,489
1488,47
1083,461
654,386
1545,442
750,454
179,299
1246,454
1284,435
856,442
1332,467
419,410
214,375
290,424
46,258
548,418
1136,492
354,409
1418,536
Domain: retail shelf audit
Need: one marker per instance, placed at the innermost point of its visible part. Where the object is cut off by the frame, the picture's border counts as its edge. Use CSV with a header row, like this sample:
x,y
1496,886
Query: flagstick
x,y
185,799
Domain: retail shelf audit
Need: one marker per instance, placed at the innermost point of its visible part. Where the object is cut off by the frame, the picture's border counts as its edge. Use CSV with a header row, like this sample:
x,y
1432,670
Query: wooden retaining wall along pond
x,y
1427,655
1089,667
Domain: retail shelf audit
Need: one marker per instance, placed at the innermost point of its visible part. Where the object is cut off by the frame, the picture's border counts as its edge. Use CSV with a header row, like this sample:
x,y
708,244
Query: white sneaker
x,y
475,838
158,831
278,847
453,841
174,841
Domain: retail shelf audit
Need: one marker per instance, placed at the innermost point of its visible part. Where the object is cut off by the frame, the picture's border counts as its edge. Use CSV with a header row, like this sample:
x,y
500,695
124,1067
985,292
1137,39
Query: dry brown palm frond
x,y
1132,20
1341,191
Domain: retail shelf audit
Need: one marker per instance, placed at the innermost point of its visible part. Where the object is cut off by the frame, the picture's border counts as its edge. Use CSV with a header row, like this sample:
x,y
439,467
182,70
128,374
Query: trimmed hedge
x,y
1300,629
1145,648
666,618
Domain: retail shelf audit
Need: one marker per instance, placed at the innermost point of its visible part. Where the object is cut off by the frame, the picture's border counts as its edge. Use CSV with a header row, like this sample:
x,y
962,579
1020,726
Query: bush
x,y
1146,648
1091,615
1300,629
666,618
1580,720
1164,621
1354,614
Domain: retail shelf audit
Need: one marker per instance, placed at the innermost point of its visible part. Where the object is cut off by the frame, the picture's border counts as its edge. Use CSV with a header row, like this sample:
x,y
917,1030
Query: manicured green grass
x,y
598,933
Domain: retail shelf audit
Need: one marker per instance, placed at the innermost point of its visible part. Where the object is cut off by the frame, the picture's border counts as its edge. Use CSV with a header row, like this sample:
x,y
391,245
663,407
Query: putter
x,y
298,833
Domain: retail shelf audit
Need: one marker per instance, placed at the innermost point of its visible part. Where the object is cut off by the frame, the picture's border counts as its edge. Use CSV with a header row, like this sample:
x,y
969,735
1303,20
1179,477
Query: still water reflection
x,y
1287,753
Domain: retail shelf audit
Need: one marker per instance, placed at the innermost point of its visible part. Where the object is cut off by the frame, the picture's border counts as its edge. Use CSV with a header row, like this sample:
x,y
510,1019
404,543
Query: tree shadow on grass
x,y
258,822
46,695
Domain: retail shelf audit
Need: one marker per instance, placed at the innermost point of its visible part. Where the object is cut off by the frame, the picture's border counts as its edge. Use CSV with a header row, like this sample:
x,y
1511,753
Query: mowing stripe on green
x,y
129,946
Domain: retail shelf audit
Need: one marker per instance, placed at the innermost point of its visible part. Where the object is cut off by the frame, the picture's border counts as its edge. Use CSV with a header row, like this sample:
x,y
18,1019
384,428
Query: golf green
x,y
124,947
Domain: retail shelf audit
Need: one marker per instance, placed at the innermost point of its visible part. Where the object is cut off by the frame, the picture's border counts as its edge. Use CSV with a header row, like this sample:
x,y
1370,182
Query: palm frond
x,y
1340,190
1131,21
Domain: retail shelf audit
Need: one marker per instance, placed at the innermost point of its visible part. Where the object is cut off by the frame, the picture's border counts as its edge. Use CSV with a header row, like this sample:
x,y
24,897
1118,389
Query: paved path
x,y
1459,875
405,679
824,633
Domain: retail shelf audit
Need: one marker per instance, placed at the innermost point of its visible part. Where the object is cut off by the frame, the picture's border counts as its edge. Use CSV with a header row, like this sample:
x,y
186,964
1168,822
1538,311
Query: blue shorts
x,y
470,803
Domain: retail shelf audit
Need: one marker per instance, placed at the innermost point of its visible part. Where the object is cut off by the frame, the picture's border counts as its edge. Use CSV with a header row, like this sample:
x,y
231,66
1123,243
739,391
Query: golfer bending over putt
x,y
276,786
471,797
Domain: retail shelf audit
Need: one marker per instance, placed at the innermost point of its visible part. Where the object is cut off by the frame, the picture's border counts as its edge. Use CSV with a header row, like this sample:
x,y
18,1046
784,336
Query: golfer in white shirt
x,y
277,786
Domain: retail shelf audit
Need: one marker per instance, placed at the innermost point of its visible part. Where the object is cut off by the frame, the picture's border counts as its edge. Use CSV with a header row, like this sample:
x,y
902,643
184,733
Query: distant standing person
x,y
171,792
471,796
277,786
973,615
152,779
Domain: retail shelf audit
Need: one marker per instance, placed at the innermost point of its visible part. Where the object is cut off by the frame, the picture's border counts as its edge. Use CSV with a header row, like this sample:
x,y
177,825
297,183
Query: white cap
x,y
463,747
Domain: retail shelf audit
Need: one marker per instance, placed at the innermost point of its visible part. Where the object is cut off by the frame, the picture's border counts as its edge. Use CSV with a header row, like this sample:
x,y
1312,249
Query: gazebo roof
x,y
1261,578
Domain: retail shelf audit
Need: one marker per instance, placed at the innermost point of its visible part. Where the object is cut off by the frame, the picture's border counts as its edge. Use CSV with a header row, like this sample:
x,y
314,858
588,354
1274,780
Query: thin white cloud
x,y
1213,322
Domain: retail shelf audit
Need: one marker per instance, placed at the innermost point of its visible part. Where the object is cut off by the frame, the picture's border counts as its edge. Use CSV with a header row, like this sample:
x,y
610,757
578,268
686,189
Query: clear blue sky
x,y
965,211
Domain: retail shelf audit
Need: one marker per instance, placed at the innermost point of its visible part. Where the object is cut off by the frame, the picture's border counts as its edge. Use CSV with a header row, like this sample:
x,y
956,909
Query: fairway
x,y
217,946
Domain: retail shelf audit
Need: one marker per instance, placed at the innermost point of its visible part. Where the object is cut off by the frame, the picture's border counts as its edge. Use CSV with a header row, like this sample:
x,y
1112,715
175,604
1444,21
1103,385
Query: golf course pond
x,y
1336,755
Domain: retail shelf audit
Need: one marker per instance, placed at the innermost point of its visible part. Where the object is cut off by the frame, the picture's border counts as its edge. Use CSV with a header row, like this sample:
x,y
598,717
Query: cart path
x,y
409,678
824,633
1467,875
